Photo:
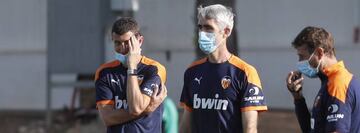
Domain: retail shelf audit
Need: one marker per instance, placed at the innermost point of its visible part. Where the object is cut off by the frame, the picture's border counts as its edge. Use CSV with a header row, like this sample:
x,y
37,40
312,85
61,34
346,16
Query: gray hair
x,y
222,15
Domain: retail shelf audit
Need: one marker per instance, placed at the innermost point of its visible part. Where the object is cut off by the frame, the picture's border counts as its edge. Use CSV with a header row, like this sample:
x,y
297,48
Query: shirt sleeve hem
x,y
186,107
254,108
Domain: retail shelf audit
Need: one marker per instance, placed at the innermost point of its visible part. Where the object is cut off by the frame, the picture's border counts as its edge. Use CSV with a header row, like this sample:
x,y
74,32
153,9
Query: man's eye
x,y
127,42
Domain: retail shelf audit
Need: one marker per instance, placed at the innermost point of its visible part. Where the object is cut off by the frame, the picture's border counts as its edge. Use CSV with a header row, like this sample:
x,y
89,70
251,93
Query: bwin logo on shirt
x,y
120,104
210,103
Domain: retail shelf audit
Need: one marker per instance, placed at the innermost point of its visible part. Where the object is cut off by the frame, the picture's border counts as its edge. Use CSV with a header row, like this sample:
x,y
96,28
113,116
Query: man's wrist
x,y
297,95
132,71
299,100
132,66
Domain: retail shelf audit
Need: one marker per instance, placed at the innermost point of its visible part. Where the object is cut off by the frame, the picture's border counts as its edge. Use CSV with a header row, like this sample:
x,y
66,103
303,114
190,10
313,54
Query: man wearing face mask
x,y
221,92
337,105
127,88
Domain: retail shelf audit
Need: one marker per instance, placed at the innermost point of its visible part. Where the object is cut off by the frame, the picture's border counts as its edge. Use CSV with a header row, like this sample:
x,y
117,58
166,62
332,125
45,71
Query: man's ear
x,y
227,31
320,52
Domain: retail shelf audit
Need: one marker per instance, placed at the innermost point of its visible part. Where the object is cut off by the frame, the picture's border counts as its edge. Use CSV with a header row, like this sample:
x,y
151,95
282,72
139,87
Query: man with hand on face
x,y
127,88
337,105
221,92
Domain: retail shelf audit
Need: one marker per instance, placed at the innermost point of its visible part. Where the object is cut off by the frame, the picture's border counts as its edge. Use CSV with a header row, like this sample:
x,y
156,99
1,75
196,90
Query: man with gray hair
x,y
221,92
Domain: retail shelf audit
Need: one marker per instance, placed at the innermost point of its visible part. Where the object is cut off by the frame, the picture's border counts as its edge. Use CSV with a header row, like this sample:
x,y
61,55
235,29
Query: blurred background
x,y
50,50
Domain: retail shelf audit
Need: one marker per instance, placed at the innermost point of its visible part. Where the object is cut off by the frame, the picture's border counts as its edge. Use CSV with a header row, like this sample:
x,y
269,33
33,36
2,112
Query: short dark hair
x,y
124,25
314,37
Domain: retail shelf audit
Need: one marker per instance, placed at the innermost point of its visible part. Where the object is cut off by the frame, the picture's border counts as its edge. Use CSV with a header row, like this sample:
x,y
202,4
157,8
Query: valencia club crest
x,y
225,82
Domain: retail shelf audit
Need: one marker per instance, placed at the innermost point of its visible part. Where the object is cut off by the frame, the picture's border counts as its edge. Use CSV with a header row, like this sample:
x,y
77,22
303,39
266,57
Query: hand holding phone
x,y
294,81
296,76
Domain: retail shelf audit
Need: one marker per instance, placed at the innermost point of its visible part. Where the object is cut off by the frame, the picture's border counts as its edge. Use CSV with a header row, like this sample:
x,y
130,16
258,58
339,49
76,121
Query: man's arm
x,y
137,101
185,124
156,100
294,85
250,121
302,114
111,117
185,102
250,108
105,104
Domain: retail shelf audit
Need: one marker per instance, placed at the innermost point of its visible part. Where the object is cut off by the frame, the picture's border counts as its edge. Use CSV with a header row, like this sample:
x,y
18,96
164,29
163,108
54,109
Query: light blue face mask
x,y
305,68
122,58
207,42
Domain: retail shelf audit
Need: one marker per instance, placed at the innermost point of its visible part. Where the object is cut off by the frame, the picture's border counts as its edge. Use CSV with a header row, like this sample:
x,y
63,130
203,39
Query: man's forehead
x,y
125,36
203,21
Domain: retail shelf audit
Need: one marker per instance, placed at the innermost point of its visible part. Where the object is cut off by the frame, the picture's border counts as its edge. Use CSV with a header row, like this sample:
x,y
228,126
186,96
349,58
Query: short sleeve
x,y
185,98
151,79
104,94
253,96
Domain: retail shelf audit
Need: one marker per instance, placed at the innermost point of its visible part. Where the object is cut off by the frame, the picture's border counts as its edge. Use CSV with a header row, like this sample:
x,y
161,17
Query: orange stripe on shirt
x,y
106,65
338,80
105,102
198,62
161,71
249,70
254,108
186,107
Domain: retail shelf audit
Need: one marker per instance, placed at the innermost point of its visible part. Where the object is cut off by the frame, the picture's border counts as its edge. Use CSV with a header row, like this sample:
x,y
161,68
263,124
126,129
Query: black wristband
x,y
132,72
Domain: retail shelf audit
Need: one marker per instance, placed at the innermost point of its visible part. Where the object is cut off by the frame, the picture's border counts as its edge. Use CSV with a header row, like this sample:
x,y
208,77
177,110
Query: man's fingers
x,y
164,90
130,45
297,72
298,81
134,46
294,86
133,43
156,90
288,79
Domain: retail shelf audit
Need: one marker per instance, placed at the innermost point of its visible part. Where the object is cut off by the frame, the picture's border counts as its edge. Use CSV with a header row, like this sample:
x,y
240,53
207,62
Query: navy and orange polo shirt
x,y
110,83
337,104
216,94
